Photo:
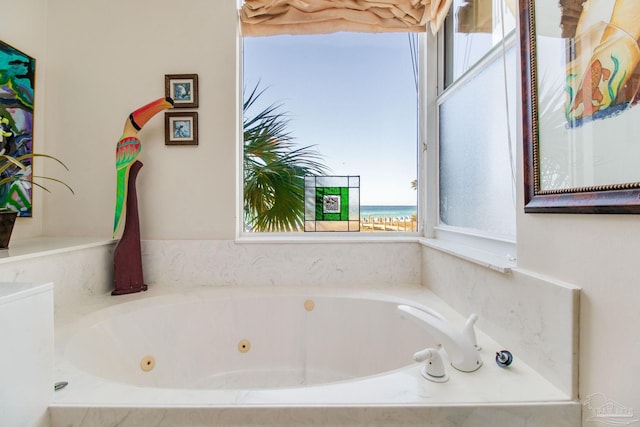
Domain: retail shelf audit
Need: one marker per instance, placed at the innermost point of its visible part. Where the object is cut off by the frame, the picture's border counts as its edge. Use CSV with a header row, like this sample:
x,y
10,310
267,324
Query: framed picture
x,y
580,69
17,92
181,128
183,89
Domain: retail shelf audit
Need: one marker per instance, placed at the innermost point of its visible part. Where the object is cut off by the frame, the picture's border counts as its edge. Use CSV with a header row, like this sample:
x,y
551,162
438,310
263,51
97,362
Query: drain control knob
x,y
504,358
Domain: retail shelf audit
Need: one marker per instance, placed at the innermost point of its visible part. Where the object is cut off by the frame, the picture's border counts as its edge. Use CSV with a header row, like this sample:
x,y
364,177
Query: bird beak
x,y
142,115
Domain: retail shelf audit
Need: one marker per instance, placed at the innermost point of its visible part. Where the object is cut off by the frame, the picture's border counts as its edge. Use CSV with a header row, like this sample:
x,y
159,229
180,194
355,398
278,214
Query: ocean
x,y
393,211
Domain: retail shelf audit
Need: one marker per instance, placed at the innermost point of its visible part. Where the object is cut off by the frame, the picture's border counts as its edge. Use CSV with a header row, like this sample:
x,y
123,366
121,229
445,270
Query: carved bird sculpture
x,y
129,147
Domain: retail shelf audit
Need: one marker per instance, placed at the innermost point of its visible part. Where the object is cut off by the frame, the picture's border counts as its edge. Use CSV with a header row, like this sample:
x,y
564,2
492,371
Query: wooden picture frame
x,y
183,89
580,147
181,128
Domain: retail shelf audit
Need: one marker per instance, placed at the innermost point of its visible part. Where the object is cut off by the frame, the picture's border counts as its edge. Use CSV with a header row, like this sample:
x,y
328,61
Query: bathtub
x,y
183,351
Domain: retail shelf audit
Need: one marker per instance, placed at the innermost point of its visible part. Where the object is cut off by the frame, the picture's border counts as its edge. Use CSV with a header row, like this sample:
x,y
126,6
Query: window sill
x,y
485,258
493,261
328,237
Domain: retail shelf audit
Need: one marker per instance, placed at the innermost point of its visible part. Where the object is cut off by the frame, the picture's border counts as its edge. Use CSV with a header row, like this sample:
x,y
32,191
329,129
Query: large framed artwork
x,y
581,118
17,87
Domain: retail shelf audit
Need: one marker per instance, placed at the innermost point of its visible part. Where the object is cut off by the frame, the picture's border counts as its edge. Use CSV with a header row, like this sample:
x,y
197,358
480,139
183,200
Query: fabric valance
x,y
272,17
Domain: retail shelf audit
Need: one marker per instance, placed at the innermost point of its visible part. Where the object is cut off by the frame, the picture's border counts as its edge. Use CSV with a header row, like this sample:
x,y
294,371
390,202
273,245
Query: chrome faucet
x,y
461,347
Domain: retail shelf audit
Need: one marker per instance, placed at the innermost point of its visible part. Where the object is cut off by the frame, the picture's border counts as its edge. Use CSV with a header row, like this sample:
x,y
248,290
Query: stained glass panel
x,y
332,203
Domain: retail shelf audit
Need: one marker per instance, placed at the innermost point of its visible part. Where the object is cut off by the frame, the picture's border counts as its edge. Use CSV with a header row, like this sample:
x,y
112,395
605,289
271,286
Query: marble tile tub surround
x,y
511,306
84,266
224,262
545,415
76,266
517,396
537,318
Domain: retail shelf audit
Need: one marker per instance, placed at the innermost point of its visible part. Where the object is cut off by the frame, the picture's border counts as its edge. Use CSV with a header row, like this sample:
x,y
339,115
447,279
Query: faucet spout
x,y
470,332
459,346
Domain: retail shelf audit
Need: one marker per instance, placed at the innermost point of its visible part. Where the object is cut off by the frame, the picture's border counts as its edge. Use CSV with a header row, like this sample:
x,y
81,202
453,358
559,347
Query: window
x,y
476,120
349,102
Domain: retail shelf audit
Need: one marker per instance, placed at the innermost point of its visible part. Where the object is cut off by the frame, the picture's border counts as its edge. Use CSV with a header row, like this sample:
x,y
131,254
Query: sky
x,y
353,96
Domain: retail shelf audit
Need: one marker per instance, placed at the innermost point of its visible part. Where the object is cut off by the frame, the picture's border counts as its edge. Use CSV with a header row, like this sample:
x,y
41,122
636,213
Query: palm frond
x,y
274,168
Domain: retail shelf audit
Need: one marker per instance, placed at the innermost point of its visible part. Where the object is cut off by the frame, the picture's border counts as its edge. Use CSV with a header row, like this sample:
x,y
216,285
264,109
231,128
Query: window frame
x,y
242,236
495,252
490,251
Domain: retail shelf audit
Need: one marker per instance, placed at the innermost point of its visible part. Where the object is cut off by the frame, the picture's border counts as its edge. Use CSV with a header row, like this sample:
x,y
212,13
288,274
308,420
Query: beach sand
x,y
372,223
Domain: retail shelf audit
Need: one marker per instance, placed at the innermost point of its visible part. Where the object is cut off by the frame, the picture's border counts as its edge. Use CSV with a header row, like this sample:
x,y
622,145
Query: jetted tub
x,y
245,342
216,349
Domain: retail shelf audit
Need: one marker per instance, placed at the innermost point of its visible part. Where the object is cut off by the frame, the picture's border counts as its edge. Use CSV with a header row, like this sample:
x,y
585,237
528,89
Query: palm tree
x,y
274,169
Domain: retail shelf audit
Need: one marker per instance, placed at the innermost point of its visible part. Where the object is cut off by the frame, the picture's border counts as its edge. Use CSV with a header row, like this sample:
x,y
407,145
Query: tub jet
x,y
147,363
244,346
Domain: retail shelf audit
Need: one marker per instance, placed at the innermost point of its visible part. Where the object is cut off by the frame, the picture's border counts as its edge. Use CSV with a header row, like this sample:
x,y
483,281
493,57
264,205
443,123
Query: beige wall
x,y
600,254
104,58
107,58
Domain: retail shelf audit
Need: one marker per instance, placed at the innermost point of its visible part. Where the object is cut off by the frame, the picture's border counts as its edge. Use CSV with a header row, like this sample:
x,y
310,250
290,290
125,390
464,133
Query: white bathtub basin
x,y
243,341
351,350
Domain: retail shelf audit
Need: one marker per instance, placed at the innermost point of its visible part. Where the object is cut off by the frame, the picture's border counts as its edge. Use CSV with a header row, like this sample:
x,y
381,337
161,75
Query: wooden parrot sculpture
x,y
128,149
127,256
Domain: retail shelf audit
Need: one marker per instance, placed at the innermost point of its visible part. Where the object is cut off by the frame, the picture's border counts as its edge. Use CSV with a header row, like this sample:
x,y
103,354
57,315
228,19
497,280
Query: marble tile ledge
x,y
24,249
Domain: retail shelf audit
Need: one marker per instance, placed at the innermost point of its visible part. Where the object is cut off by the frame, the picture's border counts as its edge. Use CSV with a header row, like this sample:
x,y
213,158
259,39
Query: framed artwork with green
x,y
17,90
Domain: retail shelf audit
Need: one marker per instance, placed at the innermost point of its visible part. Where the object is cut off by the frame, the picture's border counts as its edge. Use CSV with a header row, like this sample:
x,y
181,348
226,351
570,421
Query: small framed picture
x,y
181,128
183,89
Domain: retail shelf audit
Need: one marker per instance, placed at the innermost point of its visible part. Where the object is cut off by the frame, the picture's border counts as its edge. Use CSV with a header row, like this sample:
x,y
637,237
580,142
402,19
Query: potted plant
x,y
14,170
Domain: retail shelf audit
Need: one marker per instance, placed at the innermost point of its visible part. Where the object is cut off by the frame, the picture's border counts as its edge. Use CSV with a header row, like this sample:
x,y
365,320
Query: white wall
x,y
104,58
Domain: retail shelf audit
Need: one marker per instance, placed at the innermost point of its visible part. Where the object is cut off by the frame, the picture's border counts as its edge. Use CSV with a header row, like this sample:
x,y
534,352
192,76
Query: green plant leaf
x,y
274,168
6,161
